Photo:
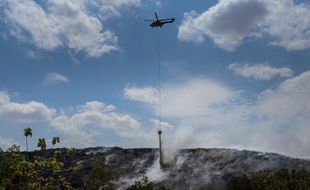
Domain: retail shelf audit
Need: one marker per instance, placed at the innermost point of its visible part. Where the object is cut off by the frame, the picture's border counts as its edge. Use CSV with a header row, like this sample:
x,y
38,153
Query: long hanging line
x,y
159,83
159,23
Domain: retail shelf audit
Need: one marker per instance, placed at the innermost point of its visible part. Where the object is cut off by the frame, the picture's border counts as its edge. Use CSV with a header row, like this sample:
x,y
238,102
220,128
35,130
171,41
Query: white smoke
x,y
154,173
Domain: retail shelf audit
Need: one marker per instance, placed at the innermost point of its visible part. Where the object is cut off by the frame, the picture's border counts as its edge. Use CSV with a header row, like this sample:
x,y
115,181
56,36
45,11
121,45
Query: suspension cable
x,y
159,82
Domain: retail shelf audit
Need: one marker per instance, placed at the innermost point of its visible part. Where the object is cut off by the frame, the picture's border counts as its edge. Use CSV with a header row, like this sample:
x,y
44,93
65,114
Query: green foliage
x,y
272,180
71,151
14,148
27,132
42,144
100,176
18,173
7,160
143,184
57,154
55,140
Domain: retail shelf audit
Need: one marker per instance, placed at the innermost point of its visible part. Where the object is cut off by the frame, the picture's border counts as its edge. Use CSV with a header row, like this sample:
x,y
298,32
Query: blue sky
x,y
235,73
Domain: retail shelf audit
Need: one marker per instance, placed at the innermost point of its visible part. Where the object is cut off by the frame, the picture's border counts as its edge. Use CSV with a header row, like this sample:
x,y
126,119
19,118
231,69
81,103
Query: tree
x,y
271,179
27,132
8,159
71,151
35,174
14,148
55,140
100,176
42,144
143,184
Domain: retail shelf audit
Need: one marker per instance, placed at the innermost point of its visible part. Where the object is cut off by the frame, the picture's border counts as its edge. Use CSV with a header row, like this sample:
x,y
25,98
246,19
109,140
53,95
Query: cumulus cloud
x,y
145,95
32,112
261,71
227,23
95,106
59,23
6,143
194,97
230,22
288,24
206,113
55,78
120,3
290,100
111,8
163,125
197,108
90,120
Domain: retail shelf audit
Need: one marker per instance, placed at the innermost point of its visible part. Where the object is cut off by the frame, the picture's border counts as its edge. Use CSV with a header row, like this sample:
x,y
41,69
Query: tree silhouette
x,y
42,144
55,140
27,132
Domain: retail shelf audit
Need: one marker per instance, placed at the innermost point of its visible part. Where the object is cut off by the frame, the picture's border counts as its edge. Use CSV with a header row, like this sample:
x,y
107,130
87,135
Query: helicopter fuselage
x,y
160,23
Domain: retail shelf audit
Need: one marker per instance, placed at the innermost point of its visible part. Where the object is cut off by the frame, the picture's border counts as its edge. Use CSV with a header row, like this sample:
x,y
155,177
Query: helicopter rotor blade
x,y
149,20
156,16
168,19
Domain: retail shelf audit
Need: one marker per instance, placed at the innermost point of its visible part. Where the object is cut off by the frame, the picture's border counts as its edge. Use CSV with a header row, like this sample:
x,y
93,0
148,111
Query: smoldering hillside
x,y
193,169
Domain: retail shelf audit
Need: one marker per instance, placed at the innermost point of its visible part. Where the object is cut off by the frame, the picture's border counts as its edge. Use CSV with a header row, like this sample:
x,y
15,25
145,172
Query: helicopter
x,y
160,22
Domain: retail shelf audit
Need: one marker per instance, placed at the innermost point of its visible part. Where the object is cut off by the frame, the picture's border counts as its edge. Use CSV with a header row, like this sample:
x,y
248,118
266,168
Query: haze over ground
x,y
235,73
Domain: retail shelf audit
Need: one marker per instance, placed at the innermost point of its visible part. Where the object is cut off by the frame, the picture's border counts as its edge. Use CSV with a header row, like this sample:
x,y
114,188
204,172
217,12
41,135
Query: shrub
x,y
16,172
100,176
271,179
143,184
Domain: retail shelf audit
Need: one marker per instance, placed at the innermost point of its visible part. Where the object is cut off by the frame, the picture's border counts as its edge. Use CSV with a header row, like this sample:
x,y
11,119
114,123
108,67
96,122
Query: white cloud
x,y
145,95
111,8
287,102
289,24
188,30
227,23
163,125
117,3
95,106
32,54
194,97
284,117
32,112
90,120
64,23
55,78
260,71
230,22
206,113
6,143
197,107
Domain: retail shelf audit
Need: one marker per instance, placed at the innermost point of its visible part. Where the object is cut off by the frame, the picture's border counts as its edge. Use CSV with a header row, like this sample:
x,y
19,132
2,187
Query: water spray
x,y
161,161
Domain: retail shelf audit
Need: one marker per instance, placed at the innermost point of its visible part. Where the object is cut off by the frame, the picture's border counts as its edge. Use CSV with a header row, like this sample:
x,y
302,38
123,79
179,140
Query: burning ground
x,y
193,169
